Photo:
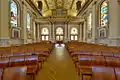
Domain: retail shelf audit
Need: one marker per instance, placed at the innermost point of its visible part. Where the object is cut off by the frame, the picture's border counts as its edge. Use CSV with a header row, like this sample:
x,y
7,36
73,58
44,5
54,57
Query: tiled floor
x,y
59,66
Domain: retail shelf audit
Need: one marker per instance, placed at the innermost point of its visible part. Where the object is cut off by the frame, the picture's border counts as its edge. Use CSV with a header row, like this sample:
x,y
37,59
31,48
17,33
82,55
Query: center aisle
x,y
59,66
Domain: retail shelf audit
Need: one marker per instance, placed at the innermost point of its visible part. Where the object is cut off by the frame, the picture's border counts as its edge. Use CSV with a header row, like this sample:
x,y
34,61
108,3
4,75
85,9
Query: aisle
x,y
59,66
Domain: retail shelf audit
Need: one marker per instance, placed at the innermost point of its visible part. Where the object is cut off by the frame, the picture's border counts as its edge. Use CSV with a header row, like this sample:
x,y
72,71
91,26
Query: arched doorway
x,y
74,34
44,34
59,34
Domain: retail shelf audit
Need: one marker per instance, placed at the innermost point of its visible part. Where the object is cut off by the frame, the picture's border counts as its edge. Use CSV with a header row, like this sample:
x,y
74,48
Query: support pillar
x,y
4,23
114,23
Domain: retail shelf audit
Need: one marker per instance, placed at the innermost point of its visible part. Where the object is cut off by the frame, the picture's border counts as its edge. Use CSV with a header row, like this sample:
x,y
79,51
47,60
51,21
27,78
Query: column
x,y
65,37
85,31
80,32
34,32
53,32
68,32
0,15
38,33
114,23
94,22
4,23
24,24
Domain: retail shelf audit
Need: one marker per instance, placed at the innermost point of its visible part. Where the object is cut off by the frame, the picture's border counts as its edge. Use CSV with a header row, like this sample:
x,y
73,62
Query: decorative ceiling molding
x,y
33,6
72,4
85,6
63,2
55,2
46,4
69,5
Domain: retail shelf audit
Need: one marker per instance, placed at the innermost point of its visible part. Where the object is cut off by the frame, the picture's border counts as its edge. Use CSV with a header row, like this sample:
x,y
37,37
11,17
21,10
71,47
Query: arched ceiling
x,y
48,5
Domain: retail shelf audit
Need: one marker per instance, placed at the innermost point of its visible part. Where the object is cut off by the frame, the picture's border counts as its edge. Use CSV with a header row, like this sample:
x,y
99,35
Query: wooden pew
x,y
103,60
17,61
103,73
4,62
30,56
1,74
15,73
99,73
117,73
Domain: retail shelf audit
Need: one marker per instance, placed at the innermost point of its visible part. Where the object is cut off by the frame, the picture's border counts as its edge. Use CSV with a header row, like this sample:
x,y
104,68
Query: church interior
x,y
59,39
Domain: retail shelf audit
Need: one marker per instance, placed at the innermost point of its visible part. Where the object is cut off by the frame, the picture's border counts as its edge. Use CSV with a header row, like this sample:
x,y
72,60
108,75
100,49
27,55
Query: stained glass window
x,y
104,14
13,13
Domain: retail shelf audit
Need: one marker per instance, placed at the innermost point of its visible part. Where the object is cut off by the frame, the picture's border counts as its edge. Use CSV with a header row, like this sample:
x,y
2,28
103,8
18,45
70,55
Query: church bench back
x,y
15,73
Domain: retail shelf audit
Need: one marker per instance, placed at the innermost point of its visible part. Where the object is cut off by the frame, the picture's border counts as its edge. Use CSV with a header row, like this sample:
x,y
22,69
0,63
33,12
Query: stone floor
x,y
59,66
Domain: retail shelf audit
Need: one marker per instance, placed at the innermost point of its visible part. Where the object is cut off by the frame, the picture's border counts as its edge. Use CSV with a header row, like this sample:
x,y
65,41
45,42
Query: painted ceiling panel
x,y
54,4
67,4
51,4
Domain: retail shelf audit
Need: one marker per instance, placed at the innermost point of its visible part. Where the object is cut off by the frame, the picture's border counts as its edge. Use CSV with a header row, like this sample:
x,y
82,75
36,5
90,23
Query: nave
x,y
59,66
48,61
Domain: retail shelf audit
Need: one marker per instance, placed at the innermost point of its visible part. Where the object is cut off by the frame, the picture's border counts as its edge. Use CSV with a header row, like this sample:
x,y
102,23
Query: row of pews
x,y
24,61
95,62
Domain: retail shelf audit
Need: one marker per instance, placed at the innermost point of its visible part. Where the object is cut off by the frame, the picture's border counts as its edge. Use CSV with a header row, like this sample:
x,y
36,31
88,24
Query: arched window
x,y
74,34
29,25
59,31
89,26
13,13
45,33
104,14
59,34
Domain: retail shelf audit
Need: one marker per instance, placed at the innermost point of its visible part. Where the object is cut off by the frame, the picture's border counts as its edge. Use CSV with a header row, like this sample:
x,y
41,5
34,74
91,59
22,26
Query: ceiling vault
x,y
72,4
46,4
